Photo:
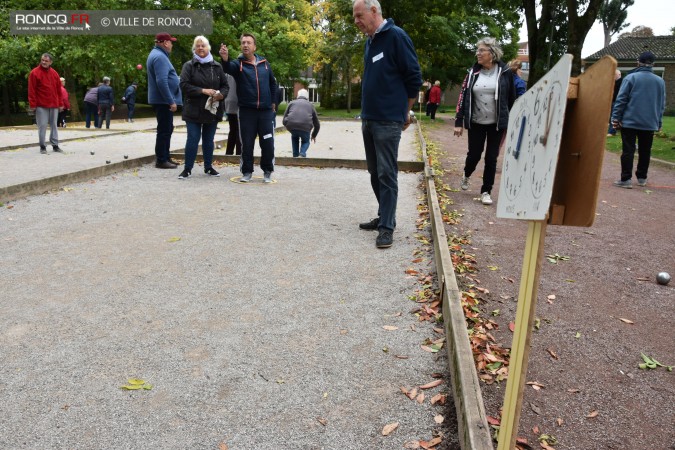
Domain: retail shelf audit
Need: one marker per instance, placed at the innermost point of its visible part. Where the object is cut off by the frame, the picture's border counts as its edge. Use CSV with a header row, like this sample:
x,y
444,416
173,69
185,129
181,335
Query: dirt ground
x,y
585,354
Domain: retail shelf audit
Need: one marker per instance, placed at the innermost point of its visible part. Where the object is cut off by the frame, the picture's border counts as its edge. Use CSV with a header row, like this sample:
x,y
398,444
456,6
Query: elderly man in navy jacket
x,y
390,83
164,95
638,112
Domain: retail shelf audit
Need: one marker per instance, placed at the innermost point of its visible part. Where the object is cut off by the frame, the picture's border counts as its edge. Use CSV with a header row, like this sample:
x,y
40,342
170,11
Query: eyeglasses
x,y
482,50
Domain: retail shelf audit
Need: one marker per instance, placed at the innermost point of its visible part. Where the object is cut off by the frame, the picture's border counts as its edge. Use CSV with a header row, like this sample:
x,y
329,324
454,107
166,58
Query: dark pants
x,y
62,118
233,139
381,139
478,135
260,123
164,132
432,110
106,112
130,110
91,111
644,138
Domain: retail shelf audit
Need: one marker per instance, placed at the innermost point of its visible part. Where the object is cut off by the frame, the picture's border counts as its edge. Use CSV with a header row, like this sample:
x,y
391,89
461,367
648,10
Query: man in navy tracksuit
x,y
390,83
256,91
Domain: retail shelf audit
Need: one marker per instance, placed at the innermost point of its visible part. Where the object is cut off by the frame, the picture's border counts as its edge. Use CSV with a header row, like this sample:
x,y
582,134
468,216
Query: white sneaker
x,y
246,178
465,183
485,198
267,178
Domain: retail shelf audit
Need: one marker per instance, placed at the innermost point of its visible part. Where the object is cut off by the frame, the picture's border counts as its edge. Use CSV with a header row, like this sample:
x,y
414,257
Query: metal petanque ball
x,y
663,278
126,156
107,161
92,152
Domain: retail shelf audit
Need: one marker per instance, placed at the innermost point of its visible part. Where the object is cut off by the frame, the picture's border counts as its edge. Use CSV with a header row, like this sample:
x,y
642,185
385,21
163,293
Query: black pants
x,y
164,132
478,135
432,110
233,139
644,138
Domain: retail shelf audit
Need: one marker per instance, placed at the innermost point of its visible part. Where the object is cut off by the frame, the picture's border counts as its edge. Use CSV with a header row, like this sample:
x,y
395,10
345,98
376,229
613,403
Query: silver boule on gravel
x,y
663,278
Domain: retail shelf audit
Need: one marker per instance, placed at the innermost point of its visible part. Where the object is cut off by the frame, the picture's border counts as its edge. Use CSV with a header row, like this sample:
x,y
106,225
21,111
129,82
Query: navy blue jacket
x,y
256,85
505,96
391,75
106,95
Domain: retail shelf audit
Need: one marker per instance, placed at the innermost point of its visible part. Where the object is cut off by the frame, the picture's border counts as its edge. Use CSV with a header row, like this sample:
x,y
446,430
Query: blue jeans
x,y
130,110
205,131
299,140
381,139
252,123
92,111
164,132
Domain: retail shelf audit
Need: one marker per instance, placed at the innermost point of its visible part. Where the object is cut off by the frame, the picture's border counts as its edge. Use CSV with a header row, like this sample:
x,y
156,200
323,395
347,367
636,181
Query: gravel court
x,y
265,316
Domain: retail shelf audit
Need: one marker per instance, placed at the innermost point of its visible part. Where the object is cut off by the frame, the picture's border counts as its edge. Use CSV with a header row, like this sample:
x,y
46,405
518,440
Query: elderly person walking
x,y
487,95
434,99
299,119
204,85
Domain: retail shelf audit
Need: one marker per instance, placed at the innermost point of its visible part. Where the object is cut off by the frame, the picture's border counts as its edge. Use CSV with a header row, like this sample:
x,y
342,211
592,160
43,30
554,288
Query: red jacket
x,y
64,98
435,95
44,88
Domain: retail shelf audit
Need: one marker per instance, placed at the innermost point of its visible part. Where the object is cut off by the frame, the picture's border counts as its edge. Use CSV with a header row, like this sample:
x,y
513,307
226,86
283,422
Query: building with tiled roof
x,y
627,49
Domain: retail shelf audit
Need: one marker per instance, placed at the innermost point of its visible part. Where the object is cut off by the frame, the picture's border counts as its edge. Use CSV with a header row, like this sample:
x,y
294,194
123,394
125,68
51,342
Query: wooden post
x,y
520,349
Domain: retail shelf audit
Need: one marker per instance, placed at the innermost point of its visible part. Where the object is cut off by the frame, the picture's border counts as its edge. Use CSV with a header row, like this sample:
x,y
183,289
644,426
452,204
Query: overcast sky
x,y
656,14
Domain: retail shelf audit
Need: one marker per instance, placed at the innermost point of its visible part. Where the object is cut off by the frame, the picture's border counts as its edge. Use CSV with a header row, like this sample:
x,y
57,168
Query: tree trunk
x,y
348,77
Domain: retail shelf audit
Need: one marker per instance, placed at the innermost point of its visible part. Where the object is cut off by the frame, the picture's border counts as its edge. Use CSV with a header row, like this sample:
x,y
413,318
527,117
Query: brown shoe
x,y
165,165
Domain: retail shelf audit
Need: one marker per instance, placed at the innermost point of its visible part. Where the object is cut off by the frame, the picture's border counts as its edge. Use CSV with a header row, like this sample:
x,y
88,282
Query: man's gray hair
x,y
48,55
370,3
106,80
493,46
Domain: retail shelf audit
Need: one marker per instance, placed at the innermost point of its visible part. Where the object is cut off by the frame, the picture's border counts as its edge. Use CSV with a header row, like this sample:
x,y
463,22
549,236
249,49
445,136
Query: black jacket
x,y
506,96
194,77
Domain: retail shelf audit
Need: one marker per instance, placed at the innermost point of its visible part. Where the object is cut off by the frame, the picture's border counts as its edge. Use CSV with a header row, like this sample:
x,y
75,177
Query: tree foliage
x,y
612,15
638,31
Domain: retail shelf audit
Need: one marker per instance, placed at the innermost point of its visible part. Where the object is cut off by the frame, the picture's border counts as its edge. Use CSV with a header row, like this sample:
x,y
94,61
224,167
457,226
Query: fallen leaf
x,y
551,297
439,419
402,356
411,272
412,445
512,326
559,421
344,332
322,421
535,408
433,384
389,428
135,381
412,394
223,446
573,391
535,429
626,321
435,441
493,420
593,413
535,385
174,239
552,353
420,398
578,335
426,348
390,327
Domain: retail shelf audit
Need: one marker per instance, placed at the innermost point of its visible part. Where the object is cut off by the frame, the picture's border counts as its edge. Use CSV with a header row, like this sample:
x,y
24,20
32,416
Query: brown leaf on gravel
x,y
439,330
436,375
412,394
426,348
439,398
417,260
512,326
411,272
390,327
439,419
559,421
435,441
593,413
404,390
573,391
389,428
535,429
223,446
412,445
535,385
420,398
433,384
552,353
626,321
322,421
493,420
402,356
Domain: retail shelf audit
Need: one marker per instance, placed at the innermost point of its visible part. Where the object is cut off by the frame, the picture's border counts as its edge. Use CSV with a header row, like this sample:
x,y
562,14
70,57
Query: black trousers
x,y
644,138
479,135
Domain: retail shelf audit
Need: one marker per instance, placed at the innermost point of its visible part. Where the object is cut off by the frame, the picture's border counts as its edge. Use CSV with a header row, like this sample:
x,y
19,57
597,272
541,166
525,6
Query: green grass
x,y
664,141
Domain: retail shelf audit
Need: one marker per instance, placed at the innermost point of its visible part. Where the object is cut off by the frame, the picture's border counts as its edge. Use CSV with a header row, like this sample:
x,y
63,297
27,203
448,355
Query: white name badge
x,y
376,58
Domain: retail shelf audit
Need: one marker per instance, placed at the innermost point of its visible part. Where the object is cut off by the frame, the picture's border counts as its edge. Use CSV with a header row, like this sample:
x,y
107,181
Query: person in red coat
x,y
434,99
66,104
44,96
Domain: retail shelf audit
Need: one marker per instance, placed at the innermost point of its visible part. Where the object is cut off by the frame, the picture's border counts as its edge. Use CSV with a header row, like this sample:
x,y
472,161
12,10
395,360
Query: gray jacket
x,y
231,102
301,115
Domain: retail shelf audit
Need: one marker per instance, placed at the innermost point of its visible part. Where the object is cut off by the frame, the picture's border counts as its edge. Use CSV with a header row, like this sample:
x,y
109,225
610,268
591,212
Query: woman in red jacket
x,y
434,99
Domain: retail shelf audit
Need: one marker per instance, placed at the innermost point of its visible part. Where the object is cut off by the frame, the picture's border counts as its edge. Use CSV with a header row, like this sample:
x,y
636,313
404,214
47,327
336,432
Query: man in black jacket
x,y
106,102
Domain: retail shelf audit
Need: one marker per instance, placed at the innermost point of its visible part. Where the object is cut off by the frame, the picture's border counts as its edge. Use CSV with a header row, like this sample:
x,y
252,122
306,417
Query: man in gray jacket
x,y
299,118
638,112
